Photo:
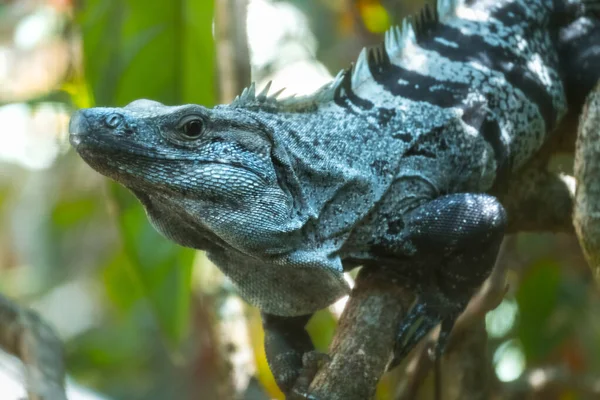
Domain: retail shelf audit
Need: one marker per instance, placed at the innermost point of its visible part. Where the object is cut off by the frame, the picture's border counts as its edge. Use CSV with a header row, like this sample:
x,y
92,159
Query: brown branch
x,y
467,373
537,199
586,216
360,350
25,335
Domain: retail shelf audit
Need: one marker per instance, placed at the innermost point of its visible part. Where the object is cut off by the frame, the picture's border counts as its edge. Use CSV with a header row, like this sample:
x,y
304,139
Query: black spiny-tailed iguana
x,y
390,165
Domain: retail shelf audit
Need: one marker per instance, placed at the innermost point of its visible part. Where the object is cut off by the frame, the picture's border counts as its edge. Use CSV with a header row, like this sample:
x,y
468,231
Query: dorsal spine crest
x,y
396,40
249,98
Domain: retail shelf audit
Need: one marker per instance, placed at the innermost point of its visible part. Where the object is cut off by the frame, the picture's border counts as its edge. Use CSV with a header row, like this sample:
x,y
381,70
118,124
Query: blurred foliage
x,y
165,53
374,16
149,332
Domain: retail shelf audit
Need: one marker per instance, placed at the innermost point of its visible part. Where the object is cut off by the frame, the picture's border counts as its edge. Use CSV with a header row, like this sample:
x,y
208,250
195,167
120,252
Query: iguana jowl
x,y
386,166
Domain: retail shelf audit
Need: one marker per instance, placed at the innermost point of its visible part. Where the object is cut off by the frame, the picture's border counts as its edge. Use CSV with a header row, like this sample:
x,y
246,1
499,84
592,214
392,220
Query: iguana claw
x,y
420,320
312,361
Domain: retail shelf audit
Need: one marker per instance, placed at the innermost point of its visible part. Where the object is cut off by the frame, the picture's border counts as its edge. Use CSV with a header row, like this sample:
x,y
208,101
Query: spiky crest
x,y
249,98
397,38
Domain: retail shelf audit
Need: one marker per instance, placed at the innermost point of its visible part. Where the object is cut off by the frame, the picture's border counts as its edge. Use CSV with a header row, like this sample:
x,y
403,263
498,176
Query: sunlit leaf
x,y
263,372
79,91
321,329
3,195
374,15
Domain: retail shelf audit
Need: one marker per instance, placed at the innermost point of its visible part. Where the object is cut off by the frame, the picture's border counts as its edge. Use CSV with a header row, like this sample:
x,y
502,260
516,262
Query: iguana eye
x,y
113,120
192,129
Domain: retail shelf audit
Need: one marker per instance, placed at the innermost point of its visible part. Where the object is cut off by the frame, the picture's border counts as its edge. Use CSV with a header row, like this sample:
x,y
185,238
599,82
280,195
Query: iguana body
x,y
386,166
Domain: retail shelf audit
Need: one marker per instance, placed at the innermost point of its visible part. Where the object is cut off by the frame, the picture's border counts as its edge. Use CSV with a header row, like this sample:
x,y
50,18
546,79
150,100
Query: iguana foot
x,y
453,242
429,311
311,363
286,344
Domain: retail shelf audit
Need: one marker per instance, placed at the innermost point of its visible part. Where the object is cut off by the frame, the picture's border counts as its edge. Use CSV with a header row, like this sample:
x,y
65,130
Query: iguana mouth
x,y
88,145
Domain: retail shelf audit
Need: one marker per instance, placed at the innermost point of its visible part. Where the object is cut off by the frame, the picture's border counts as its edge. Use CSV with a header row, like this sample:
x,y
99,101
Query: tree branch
x,y
360,350
467,374
232,47
25,335
586,215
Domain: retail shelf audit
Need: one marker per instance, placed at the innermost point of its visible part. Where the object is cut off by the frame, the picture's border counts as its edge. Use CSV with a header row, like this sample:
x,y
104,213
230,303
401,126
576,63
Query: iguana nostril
x,y
79,123
113,120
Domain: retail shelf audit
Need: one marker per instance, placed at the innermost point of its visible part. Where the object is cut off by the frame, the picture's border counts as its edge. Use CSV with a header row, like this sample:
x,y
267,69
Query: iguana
x,y
390,165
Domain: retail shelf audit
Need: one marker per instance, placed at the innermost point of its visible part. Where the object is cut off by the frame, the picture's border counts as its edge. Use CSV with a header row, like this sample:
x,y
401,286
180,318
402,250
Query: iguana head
x,y
197,171
137,144
218,180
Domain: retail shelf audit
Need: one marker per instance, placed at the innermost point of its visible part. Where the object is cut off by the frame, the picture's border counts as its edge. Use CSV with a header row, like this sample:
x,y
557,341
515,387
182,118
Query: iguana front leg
x,y
286,342
453,242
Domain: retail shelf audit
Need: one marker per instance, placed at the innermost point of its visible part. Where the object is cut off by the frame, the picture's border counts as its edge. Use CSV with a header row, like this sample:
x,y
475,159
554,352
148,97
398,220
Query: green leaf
x,y
537,298
162,51
161,269
321,329
121,283
4,190
68,213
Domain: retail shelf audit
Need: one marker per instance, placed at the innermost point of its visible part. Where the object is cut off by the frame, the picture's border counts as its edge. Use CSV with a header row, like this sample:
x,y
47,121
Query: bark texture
x,y
586,215
360,350
26,336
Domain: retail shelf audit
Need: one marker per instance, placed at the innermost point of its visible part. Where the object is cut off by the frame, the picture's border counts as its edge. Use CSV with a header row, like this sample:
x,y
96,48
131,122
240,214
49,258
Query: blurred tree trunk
x,y
233,57
586,215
